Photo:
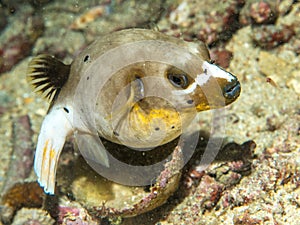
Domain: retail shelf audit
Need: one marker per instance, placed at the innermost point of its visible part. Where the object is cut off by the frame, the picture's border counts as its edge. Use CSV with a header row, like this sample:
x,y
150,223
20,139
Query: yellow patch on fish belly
x,y
168,116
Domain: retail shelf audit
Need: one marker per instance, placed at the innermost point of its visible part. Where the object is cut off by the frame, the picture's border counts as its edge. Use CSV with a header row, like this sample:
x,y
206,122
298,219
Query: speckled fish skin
x,y
114,40
140,117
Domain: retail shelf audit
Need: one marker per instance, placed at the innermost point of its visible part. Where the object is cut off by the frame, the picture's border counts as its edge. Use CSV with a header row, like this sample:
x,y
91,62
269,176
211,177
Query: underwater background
x,y
256,177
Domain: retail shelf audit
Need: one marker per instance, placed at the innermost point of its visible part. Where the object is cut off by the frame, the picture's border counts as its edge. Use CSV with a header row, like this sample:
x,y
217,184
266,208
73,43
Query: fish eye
x,y
178,78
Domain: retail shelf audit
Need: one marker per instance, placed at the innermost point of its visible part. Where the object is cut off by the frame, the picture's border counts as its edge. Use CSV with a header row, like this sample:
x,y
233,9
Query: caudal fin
x,y
55,128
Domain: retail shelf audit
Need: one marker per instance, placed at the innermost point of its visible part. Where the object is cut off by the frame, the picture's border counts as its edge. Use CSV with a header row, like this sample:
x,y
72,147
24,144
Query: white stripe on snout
x,y
209,70
217,71
202,78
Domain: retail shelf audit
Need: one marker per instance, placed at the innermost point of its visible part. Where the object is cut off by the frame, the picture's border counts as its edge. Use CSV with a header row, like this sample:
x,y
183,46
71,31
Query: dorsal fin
x,y
47,75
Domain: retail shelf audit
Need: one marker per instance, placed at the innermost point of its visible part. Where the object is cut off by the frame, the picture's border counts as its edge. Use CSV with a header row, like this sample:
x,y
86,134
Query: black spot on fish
x,y
172,127
86,58
115,133
66,110
87,78
156,128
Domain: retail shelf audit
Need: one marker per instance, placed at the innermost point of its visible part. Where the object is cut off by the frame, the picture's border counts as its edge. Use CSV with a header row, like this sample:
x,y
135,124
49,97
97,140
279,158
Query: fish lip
x,y
232,90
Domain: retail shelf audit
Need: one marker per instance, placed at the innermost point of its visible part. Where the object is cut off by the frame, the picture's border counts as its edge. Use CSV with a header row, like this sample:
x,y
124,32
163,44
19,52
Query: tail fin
x,y
55,128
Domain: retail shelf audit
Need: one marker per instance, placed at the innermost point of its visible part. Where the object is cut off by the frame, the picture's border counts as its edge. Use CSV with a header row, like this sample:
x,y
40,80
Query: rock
x,y
18,46
270,36
3,19
259,12
28,216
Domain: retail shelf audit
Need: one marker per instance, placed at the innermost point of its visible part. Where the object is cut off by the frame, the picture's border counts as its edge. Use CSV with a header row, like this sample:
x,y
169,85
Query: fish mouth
x,y
232,90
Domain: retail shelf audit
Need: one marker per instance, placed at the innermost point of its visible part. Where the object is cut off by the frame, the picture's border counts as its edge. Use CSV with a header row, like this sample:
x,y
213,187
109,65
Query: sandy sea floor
x,y
258,41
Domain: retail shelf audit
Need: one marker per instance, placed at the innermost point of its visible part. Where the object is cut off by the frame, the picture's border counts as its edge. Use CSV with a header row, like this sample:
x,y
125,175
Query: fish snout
x,y
232,90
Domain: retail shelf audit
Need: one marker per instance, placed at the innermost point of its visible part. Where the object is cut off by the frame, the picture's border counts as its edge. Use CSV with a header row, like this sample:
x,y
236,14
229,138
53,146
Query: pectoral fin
x,y
137,90
91,148
47,75
55,128
119,113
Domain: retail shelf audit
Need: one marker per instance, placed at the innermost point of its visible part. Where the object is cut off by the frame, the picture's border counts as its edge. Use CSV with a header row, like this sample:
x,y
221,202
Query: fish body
x,y
136,87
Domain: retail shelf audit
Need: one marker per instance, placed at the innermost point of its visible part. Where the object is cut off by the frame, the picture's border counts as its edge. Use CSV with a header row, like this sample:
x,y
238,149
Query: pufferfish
x,y
135,87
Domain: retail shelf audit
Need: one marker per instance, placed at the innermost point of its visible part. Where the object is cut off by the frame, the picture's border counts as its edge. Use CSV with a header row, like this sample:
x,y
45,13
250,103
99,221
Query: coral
x,y
220,25
210,21
2,110
222,57
18,196
166,183
259,12
245,219
3,19
22,152
74,215
27,216
15,192
270,36
19,46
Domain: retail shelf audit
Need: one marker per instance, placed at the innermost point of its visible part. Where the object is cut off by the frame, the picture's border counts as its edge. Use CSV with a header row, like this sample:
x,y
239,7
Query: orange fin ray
x,y
55,128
